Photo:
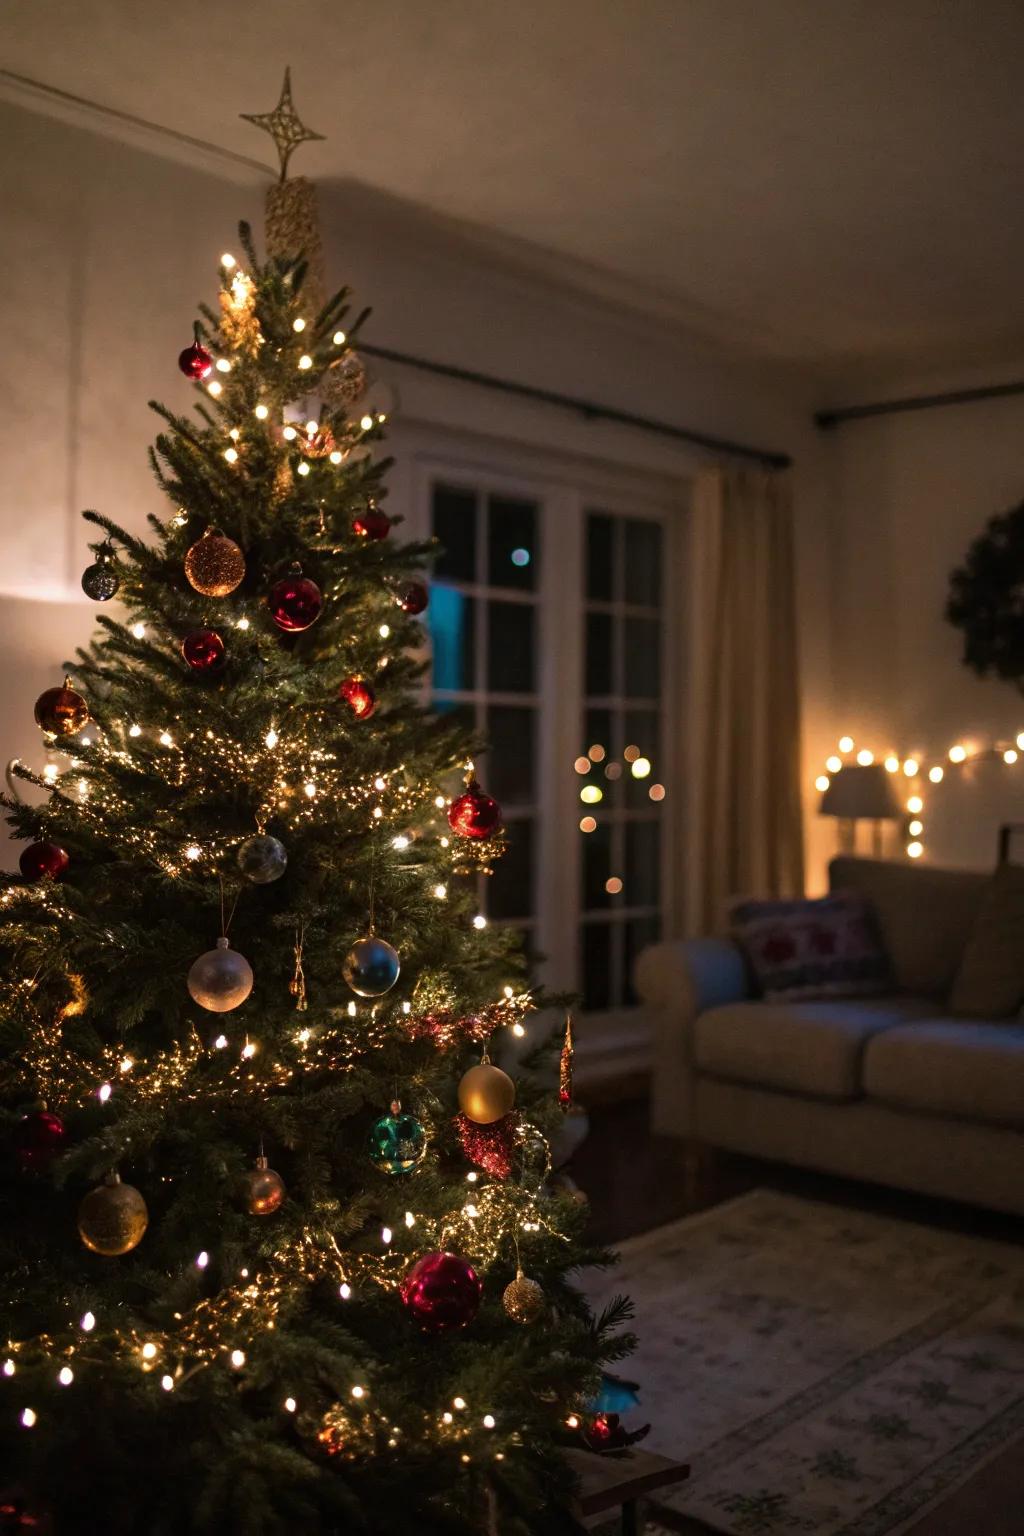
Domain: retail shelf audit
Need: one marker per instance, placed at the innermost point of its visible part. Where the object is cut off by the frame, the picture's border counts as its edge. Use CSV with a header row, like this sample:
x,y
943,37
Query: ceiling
x,y
836,184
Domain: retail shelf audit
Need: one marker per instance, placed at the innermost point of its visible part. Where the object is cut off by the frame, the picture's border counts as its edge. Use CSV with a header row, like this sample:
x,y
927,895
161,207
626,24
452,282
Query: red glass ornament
x,y
442,1290
413,599
447,1028
372,523
43,861
204,650
490,1147
38,1138
195,362
359,697
295,602
474,814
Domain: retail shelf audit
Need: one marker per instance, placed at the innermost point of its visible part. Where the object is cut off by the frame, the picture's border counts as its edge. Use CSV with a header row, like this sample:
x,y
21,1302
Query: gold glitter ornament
x,y
215,565
523,1299
112,1218
239,328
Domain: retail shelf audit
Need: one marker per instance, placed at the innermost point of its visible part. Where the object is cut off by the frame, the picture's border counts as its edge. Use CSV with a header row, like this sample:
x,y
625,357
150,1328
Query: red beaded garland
x,y
372,524
413,598
474,814
295,602
359,697
195,362
204,650
43,861
38,1138
442,1290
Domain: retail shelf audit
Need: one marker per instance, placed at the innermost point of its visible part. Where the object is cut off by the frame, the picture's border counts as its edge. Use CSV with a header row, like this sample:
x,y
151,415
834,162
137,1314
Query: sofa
x,y
890,1089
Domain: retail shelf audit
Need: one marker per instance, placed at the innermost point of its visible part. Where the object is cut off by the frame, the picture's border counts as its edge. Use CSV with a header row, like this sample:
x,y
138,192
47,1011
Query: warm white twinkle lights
x,y
28,1417
366,422
261,413
271,739
441,892
384,631
167,1382
833,763
914,850
223,366
289,434
489,1421
958,753
139,631
846,743
220,1042
344,1290
892,764
202,1259
298,324
822,782
303,468
8,1367
227,261
88,1322
915,805
339,338
936,774
386,1235
459,1403
149,1351
1010,755
865,758
135,730
911,767
290,1405
358,1393
410,1219
480,921
237,1359
65,1376
305,361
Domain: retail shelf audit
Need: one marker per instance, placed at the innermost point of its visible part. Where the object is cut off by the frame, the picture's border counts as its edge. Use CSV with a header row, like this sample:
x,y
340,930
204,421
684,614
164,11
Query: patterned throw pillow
x,y
828,947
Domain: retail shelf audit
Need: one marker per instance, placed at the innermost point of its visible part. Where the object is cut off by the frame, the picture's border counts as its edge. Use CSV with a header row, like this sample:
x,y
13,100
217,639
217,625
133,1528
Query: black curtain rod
x,y
826,419
586,408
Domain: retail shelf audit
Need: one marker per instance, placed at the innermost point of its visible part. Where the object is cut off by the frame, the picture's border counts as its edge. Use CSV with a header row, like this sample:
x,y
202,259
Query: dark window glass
x,y
643,561
509,891
455,526
597,941
643,864
596,867
513,552
452,636
599,655
510,629
643,658
510,768
600,556
638,934
599,733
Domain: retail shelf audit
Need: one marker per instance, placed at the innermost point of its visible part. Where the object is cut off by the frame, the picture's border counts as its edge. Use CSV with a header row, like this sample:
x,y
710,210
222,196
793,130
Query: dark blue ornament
x,y
397,1141
262,859
371,967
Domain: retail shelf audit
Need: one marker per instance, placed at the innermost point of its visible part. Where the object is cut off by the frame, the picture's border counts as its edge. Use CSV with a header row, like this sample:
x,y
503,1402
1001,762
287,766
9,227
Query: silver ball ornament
x,y
262,859
101,580
371,967
221,979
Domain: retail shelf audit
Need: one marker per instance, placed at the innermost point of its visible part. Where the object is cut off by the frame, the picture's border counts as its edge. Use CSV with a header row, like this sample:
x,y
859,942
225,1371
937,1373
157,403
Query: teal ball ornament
x,y
262,859
371,967
397,1141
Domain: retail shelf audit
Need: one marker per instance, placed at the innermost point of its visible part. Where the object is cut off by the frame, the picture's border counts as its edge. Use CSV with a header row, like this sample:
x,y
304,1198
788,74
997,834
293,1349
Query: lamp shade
x,y
861,792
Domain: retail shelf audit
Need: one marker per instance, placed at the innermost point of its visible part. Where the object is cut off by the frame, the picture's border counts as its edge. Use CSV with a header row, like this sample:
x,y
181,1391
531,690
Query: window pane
x,y
643,561
597,940
642,874
643,658
452,636
638,934
596,867
510,889
511,771
599,655
599,733
455,526
600,556
513,553
510,654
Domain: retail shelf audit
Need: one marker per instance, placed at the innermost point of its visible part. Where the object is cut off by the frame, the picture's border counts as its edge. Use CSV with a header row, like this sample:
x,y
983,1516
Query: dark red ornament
x,y
43,861
442,1290
195,362
474,814
39,1137
204,650
359,697
295,602
605,1432
490,1147
413,598
372,523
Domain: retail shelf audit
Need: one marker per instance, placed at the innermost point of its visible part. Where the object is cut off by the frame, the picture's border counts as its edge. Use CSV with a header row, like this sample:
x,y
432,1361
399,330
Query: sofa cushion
x,y
827,947
972,1071
990,981
813,1048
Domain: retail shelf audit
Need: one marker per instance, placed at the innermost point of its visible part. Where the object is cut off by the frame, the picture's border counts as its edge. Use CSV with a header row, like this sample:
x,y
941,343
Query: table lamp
x,y
861,792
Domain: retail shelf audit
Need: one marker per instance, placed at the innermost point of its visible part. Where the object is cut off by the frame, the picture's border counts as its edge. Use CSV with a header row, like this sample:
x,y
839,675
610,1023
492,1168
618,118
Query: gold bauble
x,y
61,711
215,565
112,1218
486,1093
523,1299
262,1190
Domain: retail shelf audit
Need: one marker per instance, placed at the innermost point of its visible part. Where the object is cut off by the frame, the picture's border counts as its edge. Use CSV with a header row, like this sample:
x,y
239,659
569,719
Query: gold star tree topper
x,y
283,124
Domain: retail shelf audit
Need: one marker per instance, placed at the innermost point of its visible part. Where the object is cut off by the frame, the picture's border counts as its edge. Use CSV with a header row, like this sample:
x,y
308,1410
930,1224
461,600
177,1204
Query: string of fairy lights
x,y
922,774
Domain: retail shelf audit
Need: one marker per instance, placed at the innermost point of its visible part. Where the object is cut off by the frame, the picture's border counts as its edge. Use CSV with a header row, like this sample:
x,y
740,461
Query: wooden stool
x,y
613,1482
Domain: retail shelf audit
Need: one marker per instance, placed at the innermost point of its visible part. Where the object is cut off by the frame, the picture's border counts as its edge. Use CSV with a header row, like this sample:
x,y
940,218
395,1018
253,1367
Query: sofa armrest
x,y
678,981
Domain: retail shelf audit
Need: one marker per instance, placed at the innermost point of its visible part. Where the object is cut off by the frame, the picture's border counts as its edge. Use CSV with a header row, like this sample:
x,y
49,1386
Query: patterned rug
x,y
823,1370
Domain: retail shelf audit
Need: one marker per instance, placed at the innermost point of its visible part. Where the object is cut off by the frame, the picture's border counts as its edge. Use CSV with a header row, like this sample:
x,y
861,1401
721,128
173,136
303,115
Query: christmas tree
x,y
283,1253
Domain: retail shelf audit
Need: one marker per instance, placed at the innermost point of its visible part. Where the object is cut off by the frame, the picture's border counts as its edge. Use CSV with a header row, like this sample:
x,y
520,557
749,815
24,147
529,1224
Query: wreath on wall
x,y
986,599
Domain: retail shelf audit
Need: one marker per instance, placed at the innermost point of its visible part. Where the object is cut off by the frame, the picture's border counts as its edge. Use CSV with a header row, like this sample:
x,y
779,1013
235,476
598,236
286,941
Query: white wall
x,y
106,249
914,490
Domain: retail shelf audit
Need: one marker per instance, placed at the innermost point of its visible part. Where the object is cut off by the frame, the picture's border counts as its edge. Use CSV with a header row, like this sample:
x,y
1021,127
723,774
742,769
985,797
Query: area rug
x,y
823,1370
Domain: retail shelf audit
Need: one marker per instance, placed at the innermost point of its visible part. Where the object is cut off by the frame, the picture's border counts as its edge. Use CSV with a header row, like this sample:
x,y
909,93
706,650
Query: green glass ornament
x,y
397,1141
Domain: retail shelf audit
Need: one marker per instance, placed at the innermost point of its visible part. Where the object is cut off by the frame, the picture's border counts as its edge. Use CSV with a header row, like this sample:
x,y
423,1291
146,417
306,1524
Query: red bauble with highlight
x,y
195,362
295,603
412,598
441,1291
204,650
359,697
38,1139
474,814
43,861
372,524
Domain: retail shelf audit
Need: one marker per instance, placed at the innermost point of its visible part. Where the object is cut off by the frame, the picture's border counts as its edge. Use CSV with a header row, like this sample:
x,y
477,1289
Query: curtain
x,y
743,831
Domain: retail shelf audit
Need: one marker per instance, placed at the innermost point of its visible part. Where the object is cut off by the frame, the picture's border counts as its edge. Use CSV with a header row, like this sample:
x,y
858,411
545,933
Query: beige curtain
x,y
741,725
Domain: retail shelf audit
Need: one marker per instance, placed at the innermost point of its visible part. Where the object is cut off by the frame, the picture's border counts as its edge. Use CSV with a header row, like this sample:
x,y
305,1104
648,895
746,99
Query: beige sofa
x,y
889,1089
